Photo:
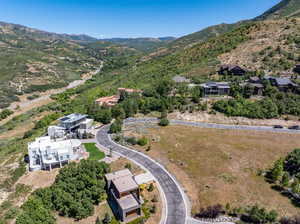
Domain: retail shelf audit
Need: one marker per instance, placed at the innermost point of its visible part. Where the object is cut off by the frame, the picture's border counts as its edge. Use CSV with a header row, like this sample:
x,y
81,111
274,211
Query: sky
x,y
129,18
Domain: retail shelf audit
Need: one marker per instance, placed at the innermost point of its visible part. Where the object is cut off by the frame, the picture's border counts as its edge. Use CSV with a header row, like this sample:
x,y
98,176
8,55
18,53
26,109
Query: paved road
x,y
176,206
216,126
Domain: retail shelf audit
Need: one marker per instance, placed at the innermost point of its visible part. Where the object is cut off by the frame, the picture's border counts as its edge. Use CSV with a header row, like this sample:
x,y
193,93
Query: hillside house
x,y
216,88
283,84
180,79
232,70
257,85
297,69
72,121
124,195
108,101
74,125
129,91
45,153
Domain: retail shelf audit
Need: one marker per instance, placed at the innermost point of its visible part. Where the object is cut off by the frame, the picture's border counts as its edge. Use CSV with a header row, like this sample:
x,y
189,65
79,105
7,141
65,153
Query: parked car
x,y
295,127
278,126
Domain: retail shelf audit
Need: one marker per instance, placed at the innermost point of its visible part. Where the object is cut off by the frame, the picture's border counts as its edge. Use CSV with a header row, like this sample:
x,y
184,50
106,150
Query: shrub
x,y
164,122
151,187
116,127
256,214
211,212
142,141
5,113
131,140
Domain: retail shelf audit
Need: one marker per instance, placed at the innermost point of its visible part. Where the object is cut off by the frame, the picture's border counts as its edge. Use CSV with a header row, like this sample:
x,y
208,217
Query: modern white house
x,y
46,153
72,126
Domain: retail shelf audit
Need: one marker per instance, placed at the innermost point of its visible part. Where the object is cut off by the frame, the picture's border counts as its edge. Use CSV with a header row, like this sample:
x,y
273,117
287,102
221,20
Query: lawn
x,y
94,152
222,166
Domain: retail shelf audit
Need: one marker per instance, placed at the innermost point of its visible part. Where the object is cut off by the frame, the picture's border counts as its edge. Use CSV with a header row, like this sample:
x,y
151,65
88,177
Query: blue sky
x,y
129,18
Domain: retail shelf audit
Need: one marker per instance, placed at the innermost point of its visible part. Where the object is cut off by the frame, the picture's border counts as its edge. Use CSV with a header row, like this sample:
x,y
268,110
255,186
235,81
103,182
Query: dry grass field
x,y
222,166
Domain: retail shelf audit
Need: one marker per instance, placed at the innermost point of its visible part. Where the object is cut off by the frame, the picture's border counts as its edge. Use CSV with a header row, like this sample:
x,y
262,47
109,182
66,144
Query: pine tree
x,y
285,180
296,186
277,171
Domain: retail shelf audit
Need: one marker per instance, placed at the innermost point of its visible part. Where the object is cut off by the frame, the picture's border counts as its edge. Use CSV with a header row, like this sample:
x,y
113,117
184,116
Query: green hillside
x,y
203,35
142,44
285,8
32,60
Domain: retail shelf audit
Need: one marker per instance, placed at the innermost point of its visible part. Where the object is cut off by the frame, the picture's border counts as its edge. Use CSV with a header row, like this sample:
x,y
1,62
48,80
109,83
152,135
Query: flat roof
x,y
72,117
47,144
128,202
216,84
125,184
118,174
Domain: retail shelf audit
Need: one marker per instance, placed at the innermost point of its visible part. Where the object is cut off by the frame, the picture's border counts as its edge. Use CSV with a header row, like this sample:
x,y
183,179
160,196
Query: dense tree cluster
x,y
77,188
273,105
5,113
285,174
259,215
264,108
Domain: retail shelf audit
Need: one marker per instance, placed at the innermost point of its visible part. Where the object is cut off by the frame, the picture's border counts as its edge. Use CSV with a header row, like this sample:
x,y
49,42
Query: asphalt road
x,y
176,208
216,126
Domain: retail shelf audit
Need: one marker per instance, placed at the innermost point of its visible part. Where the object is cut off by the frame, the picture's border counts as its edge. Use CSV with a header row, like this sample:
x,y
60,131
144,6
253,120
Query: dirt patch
x,y
100,211
222,166
39,179
222,119
19,130
123,163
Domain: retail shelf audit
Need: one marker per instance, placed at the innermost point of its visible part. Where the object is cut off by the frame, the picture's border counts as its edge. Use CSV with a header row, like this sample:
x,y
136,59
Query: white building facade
x,y
46,153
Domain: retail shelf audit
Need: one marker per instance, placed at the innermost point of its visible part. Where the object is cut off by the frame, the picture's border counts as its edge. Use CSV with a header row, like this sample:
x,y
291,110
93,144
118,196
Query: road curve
x,y
176,206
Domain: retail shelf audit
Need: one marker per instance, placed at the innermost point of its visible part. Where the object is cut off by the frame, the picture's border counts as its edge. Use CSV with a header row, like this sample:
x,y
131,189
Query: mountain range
x,y
32,60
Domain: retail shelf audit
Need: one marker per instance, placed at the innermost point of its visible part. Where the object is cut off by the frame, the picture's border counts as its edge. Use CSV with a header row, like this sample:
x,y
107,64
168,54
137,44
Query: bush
x,y
211,212
131,140
256,214
34,211
116,127
151,187
142,141
5,113
11,213
164,122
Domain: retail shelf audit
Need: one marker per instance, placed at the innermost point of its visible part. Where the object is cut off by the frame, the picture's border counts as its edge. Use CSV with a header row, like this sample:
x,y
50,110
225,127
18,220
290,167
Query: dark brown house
x,y
124,195
232,70
297,69
283,84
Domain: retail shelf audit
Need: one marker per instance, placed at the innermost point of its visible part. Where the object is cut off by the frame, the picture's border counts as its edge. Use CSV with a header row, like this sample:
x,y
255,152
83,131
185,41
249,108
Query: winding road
x,y
177,207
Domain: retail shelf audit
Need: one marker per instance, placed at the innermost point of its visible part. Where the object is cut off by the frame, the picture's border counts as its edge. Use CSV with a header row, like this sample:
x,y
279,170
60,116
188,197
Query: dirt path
x,y
25,105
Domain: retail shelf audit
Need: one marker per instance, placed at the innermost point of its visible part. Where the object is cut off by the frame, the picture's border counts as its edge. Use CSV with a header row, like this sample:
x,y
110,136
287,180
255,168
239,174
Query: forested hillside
x,y
32,60
142,44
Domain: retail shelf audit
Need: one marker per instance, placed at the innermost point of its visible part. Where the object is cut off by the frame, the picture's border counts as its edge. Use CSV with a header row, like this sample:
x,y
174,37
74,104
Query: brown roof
x,y
108,100
229,66
130,90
